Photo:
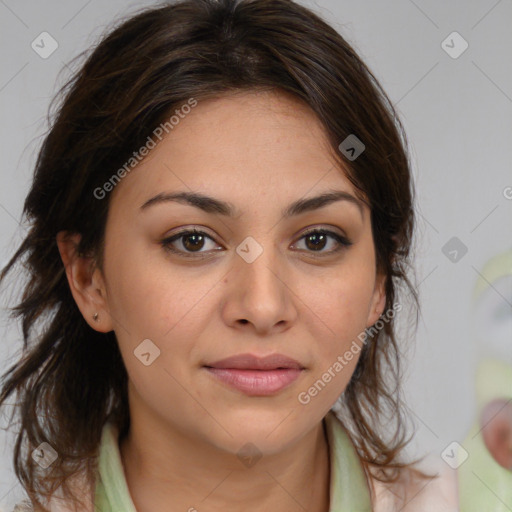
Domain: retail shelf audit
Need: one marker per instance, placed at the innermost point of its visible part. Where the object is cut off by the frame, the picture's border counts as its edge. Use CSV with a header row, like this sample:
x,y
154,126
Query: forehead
x,y
240,145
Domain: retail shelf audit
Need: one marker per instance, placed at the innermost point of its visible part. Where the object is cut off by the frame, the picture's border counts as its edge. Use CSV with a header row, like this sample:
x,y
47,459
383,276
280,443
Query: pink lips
x,y
257,375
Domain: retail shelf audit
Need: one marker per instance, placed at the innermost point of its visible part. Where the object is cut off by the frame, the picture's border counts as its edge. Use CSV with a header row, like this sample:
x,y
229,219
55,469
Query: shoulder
x,y
414,493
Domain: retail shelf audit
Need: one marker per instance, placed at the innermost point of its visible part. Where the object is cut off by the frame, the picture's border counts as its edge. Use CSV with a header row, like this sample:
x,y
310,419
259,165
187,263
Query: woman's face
x,y
250,283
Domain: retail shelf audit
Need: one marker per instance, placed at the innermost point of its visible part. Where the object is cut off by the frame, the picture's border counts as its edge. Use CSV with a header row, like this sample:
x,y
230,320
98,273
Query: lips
x,y
256,376
251,362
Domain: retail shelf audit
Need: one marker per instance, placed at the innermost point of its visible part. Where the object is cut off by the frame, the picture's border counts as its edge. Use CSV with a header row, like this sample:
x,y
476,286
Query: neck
x,y
177,472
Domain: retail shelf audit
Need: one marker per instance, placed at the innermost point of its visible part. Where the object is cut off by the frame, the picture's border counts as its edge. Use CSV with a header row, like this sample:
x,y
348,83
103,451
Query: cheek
x,y
153,301
344,300
150,297
341,308
346,315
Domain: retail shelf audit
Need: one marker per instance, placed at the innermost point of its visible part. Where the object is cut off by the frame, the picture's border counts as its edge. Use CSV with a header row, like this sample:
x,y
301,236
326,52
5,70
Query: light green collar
x,y
112,494
348,487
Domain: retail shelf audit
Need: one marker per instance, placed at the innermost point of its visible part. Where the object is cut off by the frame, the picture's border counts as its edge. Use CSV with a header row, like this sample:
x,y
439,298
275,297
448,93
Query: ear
x,y
85,281
496,421
378,302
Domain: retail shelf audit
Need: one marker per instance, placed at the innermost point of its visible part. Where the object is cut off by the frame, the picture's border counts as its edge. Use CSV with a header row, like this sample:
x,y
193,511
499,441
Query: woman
x,y
222,215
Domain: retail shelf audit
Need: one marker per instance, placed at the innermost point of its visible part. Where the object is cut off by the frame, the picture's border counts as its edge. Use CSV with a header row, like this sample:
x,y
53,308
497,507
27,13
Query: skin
x,y
260,152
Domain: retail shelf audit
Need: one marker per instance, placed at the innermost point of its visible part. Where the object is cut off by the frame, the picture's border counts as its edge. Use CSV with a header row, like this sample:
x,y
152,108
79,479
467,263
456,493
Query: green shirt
x,y
348,488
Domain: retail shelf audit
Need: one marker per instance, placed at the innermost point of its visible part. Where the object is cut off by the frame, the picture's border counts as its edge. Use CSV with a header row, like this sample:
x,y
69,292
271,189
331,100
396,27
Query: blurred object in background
x,y
485,478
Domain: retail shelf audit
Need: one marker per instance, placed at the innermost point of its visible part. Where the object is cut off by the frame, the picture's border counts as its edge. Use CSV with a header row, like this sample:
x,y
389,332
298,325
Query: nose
x,y
259,292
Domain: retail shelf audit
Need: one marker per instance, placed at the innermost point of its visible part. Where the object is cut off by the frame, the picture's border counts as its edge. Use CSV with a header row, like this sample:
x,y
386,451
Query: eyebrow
x,y
212,205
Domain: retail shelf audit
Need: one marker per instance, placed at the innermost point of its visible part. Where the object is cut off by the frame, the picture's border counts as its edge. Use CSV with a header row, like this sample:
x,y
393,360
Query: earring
x,y
95,317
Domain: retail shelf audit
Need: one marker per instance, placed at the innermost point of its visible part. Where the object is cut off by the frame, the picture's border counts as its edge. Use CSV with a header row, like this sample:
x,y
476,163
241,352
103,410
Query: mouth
x,y
256,376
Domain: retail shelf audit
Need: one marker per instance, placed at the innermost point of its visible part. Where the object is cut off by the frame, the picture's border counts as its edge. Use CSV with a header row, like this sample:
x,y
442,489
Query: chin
x,y
269,428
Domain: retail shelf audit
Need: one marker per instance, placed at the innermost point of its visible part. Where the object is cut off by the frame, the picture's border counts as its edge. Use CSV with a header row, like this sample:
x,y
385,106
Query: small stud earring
x,y
95,317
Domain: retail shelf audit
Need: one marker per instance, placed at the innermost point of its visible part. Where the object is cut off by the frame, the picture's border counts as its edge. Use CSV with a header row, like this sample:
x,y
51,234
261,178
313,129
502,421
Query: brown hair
x,y
71,379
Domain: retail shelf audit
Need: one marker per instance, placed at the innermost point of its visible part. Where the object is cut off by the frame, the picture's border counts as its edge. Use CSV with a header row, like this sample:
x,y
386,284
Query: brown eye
x,y
316,240
191,241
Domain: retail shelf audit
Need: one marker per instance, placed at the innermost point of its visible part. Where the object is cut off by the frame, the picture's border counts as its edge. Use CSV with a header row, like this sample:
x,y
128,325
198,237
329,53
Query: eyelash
x,y
166,243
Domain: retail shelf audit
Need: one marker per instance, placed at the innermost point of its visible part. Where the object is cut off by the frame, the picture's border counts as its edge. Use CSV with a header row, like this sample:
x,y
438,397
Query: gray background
x,y
458,117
